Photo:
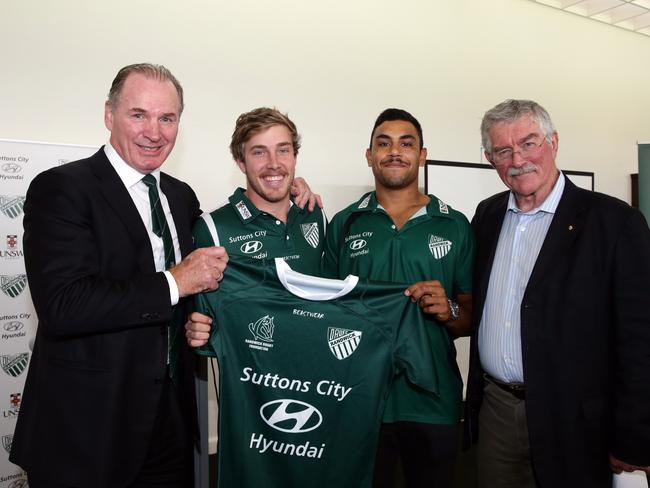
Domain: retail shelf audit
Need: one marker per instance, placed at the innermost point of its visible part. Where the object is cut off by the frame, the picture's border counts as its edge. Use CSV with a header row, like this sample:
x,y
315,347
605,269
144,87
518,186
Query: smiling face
x,y
395,155
532,175
144,122
269,165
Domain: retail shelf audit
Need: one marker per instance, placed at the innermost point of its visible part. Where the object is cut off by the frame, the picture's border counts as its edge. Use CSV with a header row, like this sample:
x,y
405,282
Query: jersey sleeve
x,y
203,303
465,258
202,234
330,261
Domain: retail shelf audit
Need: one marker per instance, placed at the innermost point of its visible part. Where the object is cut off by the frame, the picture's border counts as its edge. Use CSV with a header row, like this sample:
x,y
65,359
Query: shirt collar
x,y
549,205
245,209
129,175
435,207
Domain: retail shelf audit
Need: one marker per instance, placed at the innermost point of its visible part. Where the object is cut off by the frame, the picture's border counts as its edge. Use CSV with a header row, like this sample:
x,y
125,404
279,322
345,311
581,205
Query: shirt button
x,y
287,238
277,222
392,226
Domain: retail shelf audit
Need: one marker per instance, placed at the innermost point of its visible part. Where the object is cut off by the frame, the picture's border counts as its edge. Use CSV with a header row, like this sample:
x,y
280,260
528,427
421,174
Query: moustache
x,y
393,159
526,168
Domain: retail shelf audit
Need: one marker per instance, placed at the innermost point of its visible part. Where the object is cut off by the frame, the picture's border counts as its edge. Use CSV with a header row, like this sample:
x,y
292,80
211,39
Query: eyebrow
x,y
522,139
401,138
144,111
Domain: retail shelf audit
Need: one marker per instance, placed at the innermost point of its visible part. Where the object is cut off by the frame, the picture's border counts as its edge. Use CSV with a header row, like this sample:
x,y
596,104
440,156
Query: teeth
x,y
273,178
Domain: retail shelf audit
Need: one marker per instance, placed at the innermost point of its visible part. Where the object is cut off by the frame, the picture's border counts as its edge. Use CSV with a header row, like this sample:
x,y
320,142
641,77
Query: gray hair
x,y
511,110
155,71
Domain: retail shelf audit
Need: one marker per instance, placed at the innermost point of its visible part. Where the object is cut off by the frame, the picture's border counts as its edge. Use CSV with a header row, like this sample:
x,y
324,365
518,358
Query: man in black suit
x,y
559,384
109,399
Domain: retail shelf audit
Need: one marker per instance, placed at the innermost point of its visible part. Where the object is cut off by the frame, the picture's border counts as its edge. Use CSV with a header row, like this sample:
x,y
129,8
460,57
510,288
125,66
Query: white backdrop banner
x,y
20,161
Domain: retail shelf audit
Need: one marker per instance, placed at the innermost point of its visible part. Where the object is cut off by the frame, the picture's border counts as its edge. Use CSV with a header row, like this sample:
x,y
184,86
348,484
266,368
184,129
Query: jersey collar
x,y
435,207
248,212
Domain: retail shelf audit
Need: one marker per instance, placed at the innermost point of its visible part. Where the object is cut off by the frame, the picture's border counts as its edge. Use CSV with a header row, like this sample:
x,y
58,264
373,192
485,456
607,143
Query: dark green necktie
x,y
159,222
161,229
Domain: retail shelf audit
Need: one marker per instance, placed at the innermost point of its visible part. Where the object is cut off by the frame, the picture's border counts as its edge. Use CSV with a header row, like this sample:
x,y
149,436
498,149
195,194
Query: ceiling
x,y
633,15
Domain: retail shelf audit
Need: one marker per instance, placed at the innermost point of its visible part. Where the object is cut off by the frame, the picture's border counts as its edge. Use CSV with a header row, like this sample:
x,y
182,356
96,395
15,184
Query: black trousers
x,y
169,462
423,455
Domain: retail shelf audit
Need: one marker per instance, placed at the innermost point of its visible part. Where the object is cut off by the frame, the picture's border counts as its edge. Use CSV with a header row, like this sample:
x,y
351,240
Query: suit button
x,y
145,316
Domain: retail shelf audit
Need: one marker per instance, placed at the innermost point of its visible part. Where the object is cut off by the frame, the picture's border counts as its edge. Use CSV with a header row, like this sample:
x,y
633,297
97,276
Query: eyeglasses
x,y
527,149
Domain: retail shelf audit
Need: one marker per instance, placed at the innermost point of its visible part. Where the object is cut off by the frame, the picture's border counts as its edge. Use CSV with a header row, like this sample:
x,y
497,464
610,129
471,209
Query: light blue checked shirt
x,y
521,238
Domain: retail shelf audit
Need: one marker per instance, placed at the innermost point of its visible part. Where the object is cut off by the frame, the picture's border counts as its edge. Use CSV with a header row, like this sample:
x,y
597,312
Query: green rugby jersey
x,y
305,365
245,230
437,243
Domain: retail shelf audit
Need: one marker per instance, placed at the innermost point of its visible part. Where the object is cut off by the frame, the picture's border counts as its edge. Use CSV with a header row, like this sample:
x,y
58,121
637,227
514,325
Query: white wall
x,y
333,66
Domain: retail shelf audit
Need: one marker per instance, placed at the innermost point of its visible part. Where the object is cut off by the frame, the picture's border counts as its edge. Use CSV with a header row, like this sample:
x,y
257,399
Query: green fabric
x,y
161,229
241,227
437,245
158,220
331,360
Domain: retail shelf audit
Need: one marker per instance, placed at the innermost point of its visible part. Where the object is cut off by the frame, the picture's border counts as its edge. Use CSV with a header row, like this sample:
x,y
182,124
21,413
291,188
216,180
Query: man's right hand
x,y
197,329
200,271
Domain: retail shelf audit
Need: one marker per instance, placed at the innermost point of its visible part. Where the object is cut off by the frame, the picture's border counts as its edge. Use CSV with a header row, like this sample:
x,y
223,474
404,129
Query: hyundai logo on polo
x,y
12,168
357,244
13,326
251,247
291,416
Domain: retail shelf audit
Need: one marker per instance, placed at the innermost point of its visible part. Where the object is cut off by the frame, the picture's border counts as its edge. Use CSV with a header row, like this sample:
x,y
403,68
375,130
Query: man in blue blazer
x,y
559,383
109,398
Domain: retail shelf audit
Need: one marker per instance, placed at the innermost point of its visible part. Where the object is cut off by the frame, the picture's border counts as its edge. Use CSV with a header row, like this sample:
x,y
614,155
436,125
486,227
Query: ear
x,y
554,143
108,115
423,156
242,166
369,156
488,156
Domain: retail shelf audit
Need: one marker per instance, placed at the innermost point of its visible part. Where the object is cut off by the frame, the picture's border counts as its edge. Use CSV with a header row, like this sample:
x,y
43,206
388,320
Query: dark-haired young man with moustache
x,y
398,234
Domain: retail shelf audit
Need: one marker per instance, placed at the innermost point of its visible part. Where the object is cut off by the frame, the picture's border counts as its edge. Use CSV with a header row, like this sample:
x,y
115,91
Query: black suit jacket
x,y
585,332
94,382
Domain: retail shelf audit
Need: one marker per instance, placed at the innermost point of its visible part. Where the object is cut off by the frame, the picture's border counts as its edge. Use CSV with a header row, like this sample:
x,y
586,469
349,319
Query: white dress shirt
x,y
139,192
521,238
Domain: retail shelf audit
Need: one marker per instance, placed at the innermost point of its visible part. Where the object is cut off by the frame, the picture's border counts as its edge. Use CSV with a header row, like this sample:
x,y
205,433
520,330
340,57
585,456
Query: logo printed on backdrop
x,y
11,168
13,285
343,342
14,406
11,206
6,442
439,246
12,251
12,241
310,233
292,416
20,483
13,329
262,330
14,364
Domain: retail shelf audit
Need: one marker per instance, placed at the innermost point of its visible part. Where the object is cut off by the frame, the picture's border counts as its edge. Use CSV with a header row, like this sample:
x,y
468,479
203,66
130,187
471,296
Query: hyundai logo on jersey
x,y
291,416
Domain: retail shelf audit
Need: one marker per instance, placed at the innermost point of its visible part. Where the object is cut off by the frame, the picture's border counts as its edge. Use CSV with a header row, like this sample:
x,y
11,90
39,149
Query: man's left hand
x,y
431,298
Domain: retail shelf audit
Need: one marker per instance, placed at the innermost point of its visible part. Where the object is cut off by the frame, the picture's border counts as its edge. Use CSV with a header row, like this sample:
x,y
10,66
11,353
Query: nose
x,y
272,161
517,158
152,130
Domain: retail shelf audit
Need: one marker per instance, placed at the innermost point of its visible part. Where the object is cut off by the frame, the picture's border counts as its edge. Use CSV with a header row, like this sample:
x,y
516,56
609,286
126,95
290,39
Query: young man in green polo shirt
x,y
262,221
398,234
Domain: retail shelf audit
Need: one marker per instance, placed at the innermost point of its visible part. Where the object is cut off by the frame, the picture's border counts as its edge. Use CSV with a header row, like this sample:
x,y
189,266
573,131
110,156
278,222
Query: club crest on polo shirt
x,y
343,342
365,202
310,233
442,206
439,246
243,210
11,206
